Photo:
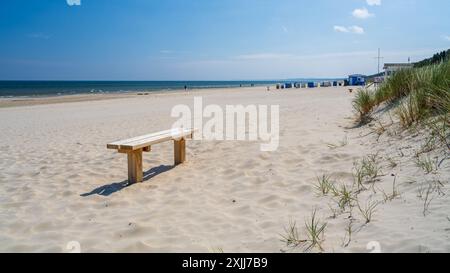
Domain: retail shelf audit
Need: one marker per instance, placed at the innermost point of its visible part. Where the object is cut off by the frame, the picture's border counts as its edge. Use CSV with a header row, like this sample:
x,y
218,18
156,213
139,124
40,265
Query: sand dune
x,y
59,183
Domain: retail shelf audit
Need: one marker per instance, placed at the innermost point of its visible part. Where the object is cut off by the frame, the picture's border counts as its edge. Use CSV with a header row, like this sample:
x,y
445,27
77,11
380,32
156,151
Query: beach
x,y
41,100
59,183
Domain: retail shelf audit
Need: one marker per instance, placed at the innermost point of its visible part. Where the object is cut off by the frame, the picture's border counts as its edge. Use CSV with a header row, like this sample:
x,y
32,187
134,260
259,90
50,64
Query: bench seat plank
x,y
116,145
137,143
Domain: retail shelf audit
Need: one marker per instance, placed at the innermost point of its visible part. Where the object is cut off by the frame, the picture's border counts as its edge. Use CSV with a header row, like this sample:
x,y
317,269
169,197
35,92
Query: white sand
x,y
52,156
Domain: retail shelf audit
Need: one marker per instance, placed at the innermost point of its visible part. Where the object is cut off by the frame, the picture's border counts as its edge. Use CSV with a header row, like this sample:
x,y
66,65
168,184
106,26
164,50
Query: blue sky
x,y
214,39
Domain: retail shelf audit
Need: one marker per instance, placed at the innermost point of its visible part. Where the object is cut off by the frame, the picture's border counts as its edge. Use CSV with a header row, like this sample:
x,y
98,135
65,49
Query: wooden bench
x,y
134,147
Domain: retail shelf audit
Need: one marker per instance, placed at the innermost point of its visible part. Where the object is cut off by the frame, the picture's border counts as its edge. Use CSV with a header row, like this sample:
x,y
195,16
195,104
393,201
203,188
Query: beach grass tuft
x,y
392,162
394,194
292,238
367,211
324,185
366,170
315,229
345,196
363,105
440,130
427,164
429,193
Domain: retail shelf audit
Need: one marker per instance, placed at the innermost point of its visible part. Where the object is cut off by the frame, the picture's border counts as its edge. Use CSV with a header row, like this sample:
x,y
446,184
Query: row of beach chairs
x,y
311,84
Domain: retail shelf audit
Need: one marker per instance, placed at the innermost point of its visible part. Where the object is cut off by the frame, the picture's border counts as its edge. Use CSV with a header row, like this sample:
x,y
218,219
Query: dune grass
x,y
315,229
324,185
367,211
345,197
365,171
388,197
440,131
427,164
417,94
429,193
363,104
292,237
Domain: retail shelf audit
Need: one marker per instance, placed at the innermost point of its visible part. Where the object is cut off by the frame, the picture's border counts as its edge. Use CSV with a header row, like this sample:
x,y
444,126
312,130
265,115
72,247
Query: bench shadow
x,y
110,189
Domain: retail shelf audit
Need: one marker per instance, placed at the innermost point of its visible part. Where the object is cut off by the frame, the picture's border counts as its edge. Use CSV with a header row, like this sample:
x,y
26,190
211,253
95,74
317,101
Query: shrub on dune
x,y
363,104
397,86
409,111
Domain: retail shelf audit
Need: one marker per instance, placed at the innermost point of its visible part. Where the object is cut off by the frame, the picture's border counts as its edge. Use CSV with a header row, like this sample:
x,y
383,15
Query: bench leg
x,y
135,174
180,151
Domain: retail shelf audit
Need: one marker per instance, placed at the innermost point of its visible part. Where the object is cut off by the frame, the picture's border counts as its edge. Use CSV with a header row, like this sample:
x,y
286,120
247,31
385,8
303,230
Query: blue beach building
x,y
357,79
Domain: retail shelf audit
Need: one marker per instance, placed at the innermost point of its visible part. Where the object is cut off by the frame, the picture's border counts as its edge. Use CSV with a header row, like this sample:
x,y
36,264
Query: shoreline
x,y
69,88
10,102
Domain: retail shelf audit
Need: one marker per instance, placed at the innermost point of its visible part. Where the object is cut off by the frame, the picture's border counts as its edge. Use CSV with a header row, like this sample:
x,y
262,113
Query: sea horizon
x,y
33,88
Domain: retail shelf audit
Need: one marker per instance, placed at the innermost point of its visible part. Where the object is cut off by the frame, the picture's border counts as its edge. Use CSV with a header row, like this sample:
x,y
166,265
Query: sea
x,y
59,88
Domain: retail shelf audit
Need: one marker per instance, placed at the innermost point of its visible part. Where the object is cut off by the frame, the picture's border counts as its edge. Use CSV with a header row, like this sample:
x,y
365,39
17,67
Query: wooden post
x,y
135,174
180,151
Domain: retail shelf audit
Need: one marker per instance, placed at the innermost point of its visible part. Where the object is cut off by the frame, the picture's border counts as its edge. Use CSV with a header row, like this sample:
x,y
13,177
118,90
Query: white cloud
x,y
374,2
340,29
446,37
352,29
362,13
73,2
356,30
